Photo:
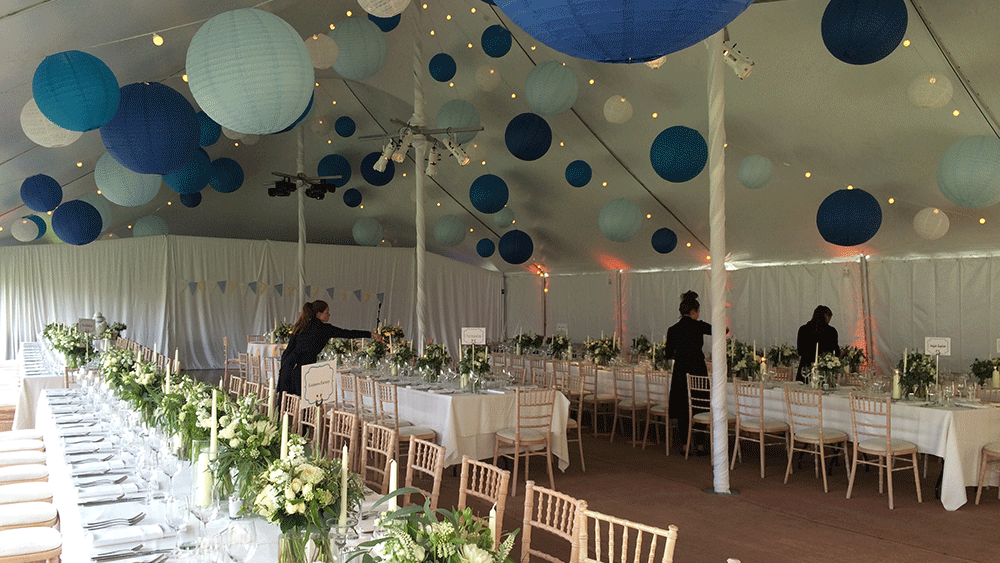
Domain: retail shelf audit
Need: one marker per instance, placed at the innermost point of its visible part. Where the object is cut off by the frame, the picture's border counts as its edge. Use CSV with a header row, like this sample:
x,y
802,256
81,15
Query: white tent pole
x,y
301,255
420,148
717,250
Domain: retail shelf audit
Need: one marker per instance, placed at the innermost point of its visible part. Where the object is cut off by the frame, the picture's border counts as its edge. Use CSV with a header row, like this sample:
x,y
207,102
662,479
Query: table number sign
x,y
562,327
87,326
318,382
473,336
937,345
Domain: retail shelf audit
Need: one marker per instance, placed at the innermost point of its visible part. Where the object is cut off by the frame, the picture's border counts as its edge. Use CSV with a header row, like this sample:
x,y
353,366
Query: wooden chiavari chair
x,y
426,459
556,513
487,483
378,448
617,539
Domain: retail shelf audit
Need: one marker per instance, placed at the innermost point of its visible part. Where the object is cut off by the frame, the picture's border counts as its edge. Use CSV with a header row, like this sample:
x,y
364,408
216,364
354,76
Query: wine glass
x,y
175,510
171,466
240,540
206,508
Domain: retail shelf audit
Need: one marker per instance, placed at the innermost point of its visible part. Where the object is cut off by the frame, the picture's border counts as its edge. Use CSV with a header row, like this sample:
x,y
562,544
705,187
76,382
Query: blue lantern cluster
x,y
193,177
77,222
155,130
41,193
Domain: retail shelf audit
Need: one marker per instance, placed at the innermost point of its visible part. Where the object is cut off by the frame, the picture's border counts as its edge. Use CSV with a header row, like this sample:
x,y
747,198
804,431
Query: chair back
x,y
251,388
537,366
290,406
342,430
658,388
309,425
256,367
425,459
367,401
348,392
534,410
588,371
387,405
256,339
486,482
989,395
749,396
805,409
560,369
379,446
572,387
235,388
699,394
518,373
498,359
784,373
624,384
617,539
515,361
553,512
264,398
871,417
244,360
270,368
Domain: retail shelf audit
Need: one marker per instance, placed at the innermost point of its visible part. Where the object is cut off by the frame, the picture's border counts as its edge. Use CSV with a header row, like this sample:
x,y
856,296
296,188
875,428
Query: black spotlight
x,y
282,188
315,192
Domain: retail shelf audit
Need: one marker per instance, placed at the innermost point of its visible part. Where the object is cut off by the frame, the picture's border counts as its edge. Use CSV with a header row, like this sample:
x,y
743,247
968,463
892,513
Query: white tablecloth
x,y
265,350
32,388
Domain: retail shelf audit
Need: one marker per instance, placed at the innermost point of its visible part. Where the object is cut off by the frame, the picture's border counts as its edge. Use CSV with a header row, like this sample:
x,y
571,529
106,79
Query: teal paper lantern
x,y
41,193
193,177
503,218
77,222
678,154
209,131
664,240
250,71
226,175
28,229
458,114
968,173
385,24
578,173
516,247
488,193
123,187
485,247
620,220
75,90
496,41
334,165
449,230
367,232
442,67
362,48
345,126
755,171
150,226
551,88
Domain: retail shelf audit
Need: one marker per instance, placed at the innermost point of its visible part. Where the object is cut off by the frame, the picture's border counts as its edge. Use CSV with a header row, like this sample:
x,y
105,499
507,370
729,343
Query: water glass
x,y
240,540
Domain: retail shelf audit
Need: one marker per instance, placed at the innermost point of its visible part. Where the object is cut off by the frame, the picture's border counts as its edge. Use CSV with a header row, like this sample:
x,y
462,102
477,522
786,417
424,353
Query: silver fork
x,y
102,482
115,522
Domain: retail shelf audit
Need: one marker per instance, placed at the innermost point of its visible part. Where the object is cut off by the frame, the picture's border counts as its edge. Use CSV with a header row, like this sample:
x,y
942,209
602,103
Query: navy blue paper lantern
x,y
193,177
849,217
664,240
496,41
385,24
75,90
334,165
41,193
155,130
578,173
861,32
352,197
678,153
442,67
516,247
191,200
309,107
209,131
485,247
488,193
374,177
226,176
528,136
77,222
345,126
625,31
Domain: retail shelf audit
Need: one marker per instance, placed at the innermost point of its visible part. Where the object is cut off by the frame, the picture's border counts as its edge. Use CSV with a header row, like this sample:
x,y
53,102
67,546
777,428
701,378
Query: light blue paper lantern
x,y
77,222
551,88
209,131
503,218
488,193
678,154
442,67
28,229
755,171
485,247
367,232
150,226
250,71
226,175
458,114
193,177
123,187
362,48
41,193
620,220
968,173
449,230
75,90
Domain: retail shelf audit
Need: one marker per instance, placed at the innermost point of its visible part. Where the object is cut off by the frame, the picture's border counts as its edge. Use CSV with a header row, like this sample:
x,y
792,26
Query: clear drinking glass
x,y
240,540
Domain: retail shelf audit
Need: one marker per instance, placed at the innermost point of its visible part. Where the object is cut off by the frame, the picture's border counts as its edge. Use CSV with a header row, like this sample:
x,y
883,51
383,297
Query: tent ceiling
x,y
801,108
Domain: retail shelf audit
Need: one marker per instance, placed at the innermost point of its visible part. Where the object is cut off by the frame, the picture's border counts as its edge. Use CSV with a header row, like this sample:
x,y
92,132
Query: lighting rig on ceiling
x,y
740,63
400,142
317,188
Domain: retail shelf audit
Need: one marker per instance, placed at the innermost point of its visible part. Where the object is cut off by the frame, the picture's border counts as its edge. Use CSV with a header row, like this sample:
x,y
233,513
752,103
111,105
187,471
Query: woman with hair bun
x,y
684,345
309,336
816,334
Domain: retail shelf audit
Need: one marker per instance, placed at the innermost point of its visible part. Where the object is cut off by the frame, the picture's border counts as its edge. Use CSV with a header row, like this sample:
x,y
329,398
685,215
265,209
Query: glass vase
x,y
298,545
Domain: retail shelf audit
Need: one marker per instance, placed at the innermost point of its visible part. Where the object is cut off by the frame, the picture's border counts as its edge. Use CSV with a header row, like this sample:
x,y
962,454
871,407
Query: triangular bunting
x,y
357,293
309,291
330,292
253,287
201,287
368,295
222,286
343,294
381,297
279,287
193,286
262,287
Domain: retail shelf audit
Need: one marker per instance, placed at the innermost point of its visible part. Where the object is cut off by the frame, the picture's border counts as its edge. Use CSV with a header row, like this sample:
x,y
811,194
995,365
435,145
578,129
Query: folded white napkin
x,y
972,405
107,491
128,534
63,409
102,512
497,391
98,467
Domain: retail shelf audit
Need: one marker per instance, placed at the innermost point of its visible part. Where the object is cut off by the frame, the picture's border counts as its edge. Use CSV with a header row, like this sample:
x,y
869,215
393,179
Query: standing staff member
x,y
816,332
684,345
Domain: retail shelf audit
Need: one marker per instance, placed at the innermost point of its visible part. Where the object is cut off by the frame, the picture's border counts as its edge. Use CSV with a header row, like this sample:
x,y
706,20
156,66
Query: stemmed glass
x,y
206,509
240,540
170,465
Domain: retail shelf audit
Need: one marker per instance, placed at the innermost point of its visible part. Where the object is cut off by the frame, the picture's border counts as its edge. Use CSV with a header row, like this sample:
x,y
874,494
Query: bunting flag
x,y
343,294
368,296
309,291
381,297
357,293
193,287
262,287
201,287
253,287
279,287
222,286
330,292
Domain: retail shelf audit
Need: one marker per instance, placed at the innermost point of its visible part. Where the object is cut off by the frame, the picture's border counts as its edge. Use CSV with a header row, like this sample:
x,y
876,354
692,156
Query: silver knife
x,y
130,554
112,501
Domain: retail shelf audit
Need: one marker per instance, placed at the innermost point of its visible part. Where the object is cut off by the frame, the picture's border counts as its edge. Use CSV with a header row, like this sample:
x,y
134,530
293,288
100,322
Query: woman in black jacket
x,y
817,333
309,336
684,346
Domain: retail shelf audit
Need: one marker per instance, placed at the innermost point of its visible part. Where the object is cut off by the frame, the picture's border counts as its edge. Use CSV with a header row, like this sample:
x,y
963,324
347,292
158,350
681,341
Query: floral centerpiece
x,y
983,369
829,367
853,357
186,411
70,342
338,347
142,387
281,333
660,360
641,345
559,346
249,444
112,331
375,351
782,355
602,351
115,365
402,354
917,374
392,333
434,359
742,360
525,342
474,360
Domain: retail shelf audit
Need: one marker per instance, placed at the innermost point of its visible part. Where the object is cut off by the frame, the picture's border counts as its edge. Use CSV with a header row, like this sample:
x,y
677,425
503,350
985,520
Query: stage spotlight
x,y
736,60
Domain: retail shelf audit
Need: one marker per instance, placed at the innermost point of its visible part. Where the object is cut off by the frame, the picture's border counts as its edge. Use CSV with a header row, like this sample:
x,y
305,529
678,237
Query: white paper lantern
x,y
755,171
384,8
250,140
42,131
367,232
620,220
322,50
930,91
487,77
551,88
250,71
230,134
362,48
931,223
617,109
150,226
121,186
28,228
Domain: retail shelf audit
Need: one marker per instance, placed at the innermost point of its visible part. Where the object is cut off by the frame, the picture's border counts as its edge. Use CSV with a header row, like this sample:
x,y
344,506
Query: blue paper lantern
x,y
551,88
75,90
485,247
848,217
578,173
102,206
664,240
755,171
620,220
77,222
250,71
121,186
305,113
528,136
372,176
345,126
385,24
191,200
28,229
193,177
334,165
496,41
450,230
503,218
488,193
41,193
362,48
226,176
516,247
861,32
678,153
367,232
625,31
442,67
209,131
150,226
968,173
155,130
457,114
352,197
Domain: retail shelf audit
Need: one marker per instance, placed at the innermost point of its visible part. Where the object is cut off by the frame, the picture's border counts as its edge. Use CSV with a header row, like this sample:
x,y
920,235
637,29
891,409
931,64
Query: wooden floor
x,y
768,521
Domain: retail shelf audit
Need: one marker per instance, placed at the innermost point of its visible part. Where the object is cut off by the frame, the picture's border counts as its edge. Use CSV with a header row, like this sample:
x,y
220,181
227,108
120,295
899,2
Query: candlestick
x,y
897,389
344,476
394,503
155,351
494,531
816,357
284,436
755,348
996,378
213,444
937,367
270,396
905,354
204,485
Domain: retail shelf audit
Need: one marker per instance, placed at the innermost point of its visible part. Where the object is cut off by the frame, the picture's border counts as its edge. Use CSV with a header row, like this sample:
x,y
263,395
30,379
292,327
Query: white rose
x,y
471,553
